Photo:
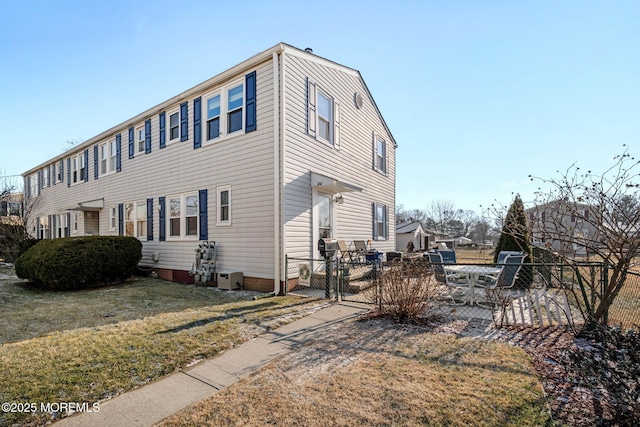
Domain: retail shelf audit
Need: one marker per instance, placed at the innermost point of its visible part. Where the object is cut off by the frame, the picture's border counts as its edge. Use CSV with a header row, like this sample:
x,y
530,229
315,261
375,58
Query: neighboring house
x,y
264,159
412,231
462,241
548,221
11,208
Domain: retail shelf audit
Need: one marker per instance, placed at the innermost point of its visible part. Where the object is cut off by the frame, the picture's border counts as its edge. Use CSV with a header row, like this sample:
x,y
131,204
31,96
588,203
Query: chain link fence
x,y
534,294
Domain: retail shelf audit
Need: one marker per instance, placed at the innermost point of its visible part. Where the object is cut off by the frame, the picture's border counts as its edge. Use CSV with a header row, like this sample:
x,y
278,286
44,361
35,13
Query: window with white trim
x,y
140,139
213,117
323,115
107,153
46,177
174,125
83,166
34,188
380,222
113,217
74,169
379,154
224,205
44,228
135,219
224,111
61,224
183,215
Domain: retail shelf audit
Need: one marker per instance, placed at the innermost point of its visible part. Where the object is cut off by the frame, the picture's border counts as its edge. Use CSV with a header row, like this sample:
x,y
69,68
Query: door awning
x,y
91,205
329,185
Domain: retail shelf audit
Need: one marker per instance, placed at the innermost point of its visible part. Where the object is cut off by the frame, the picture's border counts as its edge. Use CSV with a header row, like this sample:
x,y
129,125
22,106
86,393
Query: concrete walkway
x,y
154,402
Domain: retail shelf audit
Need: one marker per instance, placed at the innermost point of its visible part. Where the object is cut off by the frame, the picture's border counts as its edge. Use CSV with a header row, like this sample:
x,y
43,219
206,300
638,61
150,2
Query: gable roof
x,y
407,227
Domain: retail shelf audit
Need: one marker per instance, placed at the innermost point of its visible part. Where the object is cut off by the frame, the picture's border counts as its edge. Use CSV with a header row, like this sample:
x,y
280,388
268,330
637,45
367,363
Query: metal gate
x,y
335,279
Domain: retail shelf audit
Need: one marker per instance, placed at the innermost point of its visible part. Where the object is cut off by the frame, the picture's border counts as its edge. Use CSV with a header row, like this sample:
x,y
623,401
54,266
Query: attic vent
x,y
308,50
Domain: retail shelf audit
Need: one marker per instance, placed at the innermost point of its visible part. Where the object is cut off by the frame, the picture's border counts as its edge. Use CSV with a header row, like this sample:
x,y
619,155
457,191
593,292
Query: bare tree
x,y
586,216
439,214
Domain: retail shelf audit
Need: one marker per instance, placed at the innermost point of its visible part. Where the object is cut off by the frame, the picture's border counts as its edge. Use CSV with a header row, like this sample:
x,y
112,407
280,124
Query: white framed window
x,y
34,188
135,219
380,222
379,154
113,217
140,139
183,216
83,167
224,112
61,224
44,228
107,153
46,177
75,222
323,115
74,169
174,125
213,117
224,205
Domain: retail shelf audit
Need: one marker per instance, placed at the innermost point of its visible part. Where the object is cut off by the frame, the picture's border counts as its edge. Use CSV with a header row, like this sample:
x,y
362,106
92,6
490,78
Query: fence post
x,y
605,286
285,288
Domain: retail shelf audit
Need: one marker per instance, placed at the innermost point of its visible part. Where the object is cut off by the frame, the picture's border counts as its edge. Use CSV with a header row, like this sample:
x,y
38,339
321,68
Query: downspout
x,y
276,178
283,147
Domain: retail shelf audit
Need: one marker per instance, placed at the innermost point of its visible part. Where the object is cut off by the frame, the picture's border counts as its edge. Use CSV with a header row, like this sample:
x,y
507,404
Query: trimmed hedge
x,y
80,262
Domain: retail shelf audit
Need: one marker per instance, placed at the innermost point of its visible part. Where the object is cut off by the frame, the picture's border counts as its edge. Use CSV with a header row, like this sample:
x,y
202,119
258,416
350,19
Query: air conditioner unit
x,y
229,281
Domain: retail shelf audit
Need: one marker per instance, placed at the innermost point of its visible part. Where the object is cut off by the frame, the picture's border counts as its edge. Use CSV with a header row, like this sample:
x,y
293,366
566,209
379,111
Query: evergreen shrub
x,y
80,262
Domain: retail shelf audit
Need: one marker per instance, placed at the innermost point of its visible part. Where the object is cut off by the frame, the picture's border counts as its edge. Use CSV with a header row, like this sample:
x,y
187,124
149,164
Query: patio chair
x,y
448,256
498,287
503,254
345,252
360,249
454,282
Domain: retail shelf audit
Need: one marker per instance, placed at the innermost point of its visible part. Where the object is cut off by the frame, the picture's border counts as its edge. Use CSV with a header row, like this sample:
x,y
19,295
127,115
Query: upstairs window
x,y
235,104
174,126
213,117
140,139
83,167
379,154
323,115
107,153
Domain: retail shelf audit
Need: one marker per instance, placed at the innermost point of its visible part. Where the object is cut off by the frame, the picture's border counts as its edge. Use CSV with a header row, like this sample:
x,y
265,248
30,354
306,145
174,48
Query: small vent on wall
x,y
357,99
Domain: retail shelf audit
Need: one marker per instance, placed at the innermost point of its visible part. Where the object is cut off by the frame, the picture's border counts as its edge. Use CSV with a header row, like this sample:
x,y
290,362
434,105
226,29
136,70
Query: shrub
x,y
407,292
80,262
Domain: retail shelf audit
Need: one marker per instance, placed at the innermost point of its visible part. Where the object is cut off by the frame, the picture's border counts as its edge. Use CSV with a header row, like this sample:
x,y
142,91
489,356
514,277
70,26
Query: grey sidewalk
x,y
152,403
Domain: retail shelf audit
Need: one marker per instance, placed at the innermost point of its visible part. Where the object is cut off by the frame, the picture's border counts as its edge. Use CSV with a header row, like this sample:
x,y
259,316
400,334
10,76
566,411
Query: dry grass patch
x,y
94,363
380,374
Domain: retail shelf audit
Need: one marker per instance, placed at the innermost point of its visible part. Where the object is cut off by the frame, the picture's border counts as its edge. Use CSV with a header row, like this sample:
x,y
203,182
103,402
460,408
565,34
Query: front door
x,y
323,220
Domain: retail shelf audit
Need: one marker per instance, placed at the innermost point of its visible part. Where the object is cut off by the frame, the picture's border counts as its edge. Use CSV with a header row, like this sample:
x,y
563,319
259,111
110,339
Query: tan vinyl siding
x,y
352,163
243,161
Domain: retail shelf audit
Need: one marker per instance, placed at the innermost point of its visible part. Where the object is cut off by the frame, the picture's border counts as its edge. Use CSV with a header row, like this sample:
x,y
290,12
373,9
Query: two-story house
x,y
265,158
562,226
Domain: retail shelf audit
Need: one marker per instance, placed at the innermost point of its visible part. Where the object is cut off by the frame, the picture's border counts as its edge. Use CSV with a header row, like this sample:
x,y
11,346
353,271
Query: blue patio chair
x,y
448,256
454,282
503,282
503,254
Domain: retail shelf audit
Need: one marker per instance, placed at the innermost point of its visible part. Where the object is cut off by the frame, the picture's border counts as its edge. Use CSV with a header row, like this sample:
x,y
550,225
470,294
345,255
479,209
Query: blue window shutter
x,y
149,219
197,126
131,146
184,121
147,136
202,206
49,175
250,118
39,181
95,162
311,107
54,229
61,170
67,229
120,219
86,164
118,153
162,230
68,171
54,177
163,134
373,221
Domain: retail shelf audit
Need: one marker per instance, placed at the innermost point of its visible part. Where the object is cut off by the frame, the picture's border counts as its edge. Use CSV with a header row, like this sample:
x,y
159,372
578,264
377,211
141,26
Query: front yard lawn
x,y
86,346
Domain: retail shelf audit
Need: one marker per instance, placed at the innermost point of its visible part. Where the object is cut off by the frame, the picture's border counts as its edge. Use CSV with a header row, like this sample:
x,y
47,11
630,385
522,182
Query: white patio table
x,y
473,273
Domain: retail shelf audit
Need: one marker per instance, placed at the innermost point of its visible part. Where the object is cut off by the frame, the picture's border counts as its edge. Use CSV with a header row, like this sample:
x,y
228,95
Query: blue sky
x,y
478,94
